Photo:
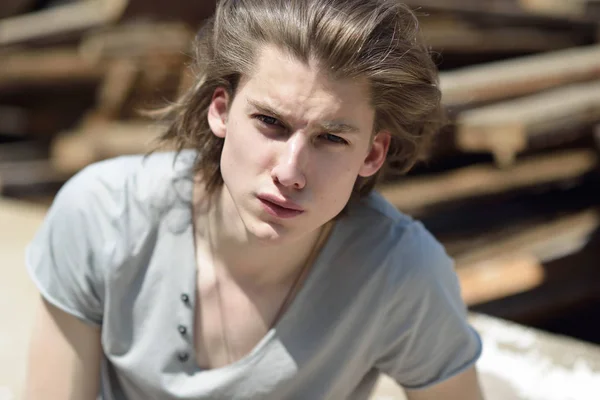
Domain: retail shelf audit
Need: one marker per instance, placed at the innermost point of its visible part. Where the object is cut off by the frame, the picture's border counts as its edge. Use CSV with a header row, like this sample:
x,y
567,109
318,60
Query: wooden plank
x,y
416,194
512,265
21,151
570,283
9,8
46,67
72,151
116,87
492,7
13,120
546,241
462,38
189,12
520,76
573,10
593,12
72,17
504,128
561,8
498,278
134,40
24,175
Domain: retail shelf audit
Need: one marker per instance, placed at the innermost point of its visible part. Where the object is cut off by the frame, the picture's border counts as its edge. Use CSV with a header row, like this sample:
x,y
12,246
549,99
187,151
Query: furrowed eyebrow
x,y
327,126
263,108
338,127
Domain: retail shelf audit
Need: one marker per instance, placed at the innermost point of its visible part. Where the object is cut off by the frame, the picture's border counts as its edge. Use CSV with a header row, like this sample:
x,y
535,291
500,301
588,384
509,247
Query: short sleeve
x,y
425,337
65,258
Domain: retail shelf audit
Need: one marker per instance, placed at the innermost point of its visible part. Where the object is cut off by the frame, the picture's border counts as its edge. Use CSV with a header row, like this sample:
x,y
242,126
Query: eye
x,y
333,139
269,121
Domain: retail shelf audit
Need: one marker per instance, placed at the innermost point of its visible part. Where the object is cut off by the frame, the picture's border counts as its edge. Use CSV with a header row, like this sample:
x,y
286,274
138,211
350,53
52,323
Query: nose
x,y
289,170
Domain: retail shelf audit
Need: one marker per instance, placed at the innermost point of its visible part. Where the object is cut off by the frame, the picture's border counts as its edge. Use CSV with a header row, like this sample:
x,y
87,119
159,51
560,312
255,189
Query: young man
x,y
256,263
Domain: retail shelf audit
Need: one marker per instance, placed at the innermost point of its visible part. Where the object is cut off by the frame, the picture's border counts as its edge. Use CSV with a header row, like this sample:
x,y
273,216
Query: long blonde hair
x,y
376,39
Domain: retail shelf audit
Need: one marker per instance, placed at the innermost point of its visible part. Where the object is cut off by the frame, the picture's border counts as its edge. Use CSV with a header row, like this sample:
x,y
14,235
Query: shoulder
x,y
119,187
419,296
98,219
114,205
382,225
406,250
139,176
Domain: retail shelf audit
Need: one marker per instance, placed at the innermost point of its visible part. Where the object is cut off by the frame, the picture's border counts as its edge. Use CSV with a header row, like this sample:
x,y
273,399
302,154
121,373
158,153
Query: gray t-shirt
x,y
116,250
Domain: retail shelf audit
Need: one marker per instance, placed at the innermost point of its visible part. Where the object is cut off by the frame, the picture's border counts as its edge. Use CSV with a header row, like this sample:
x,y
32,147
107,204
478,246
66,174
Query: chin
x,y
264,231
268,233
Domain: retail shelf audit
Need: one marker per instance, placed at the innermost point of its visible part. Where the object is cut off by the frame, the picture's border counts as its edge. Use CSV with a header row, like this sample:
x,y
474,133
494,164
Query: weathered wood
x,y
143,61
119,81
13,120
504,128
564,9
570,283
592,10
18,175
493,7
560,8
545,241
74,17
189,12
511,265
134,40
520,76
46,67
21,151
419,193
72,151
9,8
468,40
498,278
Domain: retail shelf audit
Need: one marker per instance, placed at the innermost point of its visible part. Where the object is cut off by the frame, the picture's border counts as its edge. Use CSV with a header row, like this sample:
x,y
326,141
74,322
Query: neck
x,y
244,257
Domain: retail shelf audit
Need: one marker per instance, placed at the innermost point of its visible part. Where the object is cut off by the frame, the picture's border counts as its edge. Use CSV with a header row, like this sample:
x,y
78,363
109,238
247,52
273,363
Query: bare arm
x,y
464,386
64,357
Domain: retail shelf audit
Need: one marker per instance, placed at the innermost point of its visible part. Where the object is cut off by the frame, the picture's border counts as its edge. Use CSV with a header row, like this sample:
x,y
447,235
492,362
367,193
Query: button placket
x,y
184,356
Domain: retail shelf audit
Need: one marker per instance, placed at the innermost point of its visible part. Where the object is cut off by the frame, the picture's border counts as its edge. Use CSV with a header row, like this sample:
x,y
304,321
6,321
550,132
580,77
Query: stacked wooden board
x,y
534,117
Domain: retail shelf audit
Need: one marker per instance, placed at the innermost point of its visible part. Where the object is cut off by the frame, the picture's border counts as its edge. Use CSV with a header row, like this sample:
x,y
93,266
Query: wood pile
x,y
510,188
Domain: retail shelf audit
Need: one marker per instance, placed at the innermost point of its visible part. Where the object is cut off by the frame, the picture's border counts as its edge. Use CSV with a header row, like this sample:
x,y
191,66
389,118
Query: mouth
x,y
280,208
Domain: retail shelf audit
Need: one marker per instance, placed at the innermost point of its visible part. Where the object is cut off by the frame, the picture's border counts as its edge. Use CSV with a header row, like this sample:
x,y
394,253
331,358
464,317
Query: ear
x,y
217,112
376,155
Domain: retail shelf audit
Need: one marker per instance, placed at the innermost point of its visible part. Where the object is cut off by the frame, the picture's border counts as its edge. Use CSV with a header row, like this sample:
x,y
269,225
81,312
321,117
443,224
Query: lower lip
x,y
278,211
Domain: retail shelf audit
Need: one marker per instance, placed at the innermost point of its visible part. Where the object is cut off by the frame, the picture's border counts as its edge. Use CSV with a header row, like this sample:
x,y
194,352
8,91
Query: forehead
x,y
305,91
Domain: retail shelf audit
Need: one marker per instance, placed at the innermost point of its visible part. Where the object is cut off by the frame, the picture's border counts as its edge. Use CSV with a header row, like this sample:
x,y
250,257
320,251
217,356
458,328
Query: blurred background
x,y
512,187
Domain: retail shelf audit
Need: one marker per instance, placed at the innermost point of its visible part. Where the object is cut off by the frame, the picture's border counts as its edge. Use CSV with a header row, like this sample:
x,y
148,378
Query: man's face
x,y
295,142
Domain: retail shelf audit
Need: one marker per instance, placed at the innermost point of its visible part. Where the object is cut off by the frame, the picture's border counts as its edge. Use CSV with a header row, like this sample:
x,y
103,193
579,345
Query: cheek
x,y
342,169
245,149
336,178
